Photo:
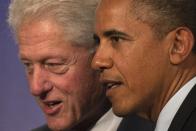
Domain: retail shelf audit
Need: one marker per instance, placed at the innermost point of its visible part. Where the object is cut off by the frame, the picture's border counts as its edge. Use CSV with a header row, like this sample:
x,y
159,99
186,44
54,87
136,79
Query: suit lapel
x,y
184,111
135,123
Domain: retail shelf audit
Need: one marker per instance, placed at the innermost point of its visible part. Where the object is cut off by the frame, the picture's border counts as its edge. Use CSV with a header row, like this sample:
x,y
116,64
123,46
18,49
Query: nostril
x,y
43,95
47,87
99,70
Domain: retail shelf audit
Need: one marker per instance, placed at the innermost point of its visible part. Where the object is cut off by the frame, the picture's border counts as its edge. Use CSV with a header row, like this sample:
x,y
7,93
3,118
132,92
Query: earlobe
x,y
182,45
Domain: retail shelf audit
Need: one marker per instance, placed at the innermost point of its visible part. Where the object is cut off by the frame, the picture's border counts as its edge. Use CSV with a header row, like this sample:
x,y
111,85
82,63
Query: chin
x,y
57,127
119,111
59,124
123,110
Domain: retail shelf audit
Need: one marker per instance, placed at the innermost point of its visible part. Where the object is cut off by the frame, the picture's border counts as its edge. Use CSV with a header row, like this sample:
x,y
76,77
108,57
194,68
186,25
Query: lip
x,y
110,92
52,109
110,85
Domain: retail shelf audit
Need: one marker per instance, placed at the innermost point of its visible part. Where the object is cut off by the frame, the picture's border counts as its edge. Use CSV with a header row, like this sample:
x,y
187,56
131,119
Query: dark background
x,y
18,110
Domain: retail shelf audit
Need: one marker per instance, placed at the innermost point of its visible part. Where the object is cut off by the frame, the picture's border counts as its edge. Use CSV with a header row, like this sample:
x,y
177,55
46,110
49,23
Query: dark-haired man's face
x,y
132,60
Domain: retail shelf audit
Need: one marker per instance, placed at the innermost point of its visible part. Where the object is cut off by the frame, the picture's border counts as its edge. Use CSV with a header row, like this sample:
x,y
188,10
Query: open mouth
x,y
52,107
52,104
109,84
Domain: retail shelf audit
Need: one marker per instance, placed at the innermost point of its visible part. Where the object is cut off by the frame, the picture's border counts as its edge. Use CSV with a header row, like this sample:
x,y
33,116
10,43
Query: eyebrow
x,y
111,32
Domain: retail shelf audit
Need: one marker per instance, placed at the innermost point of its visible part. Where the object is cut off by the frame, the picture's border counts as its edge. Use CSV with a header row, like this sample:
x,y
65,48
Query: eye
x,y
115,39
57,68
28,67
96,40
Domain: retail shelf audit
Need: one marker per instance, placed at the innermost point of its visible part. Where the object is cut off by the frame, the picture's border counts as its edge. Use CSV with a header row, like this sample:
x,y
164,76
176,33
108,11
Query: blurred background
x,y
18,110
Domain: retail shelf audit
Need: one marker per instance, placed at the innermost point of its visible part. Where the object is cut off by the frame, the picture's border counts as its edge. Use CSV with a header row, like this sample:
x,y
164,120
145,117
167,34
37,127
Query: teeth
x,y
52,104
111,84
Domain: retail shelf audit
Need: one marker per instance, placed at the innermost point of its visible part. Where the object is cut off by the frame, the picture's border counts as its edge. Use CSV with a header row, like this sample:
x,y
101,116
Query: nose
x,y
102,58
39,82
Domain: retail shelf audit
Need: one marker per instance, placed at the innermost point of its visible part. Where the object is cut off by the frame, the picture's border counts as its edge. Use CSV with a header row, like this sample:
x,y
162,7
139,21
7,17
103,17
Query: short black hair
x,y
166,15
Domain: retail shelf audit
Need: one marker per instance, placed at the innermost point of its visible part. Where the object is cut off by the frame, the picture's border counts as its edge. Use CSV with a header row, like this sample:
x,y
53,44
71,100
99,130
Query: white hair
x,y
76,17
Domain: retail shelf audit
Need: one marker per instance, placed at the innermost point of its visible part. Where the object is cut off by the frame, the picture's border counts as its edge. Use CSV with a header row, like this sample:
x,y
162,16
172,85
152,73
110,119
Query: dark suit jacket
x,y
42,128
185,118
130,123
135,123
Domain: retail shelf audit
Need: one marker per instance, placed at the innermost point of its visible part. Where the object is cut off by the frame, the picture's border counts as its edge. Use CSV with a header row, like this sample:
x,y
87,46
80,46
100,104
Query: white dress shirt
x,y
168,112
108,122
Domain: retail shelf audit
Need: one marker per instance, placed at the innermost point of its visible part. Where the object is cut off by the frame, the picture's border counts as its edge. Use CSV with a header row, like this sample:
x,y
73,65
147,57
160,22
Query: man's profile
x,y
146,56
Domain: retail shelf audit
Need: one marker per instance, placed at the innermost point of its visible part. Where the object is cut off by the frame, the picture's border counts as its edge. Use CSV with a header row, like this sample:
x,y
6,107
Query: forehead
x,y
41,39
108,7
35,31
114,3
112,12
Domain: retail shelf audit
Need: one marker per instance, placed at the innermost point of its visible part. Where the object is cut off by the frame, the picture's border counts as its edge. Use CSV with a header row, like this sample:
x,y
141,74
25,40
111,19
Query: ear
x,y
182,45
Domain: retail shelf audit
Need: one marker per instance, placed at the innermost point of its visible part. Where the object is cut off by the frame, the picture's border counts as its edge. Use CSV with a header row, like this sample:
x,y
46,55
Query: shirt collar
x,y
169,110
108,122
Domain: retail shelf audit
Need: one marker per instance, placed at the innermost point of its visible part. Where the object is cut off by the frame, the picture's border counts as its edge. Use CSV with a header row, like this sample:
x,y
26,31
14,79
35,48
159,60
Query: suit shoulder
x,y
135,123
42,128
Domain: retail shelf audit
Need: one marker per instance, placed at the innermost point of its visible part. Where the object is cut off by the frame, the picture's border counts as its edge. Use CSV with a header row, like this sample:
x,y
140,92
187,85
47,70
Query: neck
x,y
175,82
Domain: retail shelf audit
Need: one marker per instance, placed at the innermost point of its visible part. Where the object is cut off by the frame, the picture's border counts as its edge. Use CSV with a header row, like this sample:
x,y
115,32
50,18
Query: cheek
x,y
87,90
142,76
135,68
76,82
70,82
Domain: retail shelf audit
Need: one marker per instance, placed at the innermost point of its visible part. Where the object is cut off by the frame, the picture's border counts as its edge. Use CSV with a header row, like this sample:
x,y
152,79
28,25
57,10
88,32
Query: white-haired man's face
x,y
59,74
